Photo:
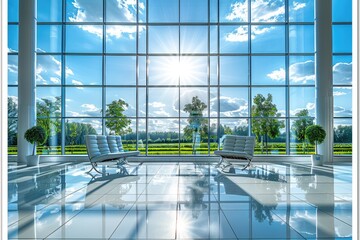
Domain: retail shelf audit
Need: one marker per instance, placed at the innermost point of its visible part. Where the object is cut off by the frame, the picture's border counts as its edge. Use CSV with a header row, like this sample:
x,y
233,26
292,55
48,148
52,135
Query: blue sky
x,y
84,73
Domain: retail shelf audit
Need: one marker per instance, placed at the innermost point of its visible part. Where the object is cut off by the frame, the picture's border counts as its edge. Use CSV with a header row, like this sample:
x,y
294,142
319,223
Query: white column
x,y
27,68
323,72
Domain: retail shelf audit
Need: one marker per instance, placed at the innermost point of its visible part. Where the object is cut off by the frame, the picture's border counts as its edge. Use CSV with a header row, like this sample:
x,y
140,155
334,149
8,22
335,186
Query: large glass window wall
x,y
158,56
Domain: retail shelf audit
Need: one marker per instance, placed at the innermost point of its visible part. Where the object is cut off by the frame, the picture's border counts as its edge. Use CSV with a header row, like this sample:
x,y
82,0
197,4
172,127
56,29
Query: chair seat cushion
x,y
233,154
111,156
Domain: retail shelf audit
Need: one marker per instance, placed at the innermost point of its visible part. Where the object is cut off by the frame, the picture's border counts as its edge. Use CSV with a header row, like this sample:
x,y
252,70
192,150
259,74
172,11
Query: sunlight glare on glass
x,y
185,70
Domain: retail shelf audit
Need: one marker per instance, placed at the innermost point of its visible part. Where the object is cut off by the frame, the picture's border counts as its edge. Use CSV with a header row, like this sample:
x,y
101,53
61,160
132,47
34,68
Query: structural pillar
x,y
323,73
26,73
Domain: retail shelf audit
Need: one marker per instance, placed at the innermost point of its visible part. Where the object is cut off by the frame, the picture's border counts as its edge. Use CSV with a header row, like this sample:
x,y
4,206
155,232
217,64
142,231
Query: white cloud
x,y
231,107
12,68
240,34
90,109
337,93
48,69
117,10
55,80
78,83
278,75
157,105
72,114
298,5
267,10
342,73
300,73
239,11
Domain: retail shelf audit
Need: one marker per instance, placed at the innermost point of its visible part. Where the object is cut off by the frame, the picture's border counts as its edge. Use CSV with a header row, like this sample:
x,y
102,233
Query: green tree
x,y
343,134
264,120
12,121
299,126
196,121
48,116
116,120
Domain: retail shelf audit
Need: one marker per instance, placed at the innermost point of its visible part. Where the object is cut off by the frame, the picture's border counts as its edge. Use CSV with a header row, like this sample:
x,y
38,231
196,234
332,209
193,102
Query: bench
x,y
101,148
236,148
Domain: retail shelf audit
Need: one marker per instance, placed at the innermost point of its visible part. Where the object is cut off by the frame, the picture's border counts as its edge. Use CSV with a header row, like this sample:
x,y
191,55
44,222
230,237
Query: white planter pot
x,y
316,160
32,160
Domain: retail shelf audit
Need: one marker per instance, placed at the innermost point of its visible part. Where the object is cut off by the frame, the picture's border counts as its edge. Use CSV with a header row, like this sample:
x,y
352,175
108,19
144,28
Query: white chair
x,y
101,148
236,148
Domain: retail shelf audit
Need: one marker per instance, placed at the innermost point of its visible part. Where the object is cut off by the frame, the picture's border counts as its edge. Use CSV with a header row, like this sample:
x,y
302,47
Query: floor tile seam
x,y
287,224
63,225
333,215
177,201
228,222
121,221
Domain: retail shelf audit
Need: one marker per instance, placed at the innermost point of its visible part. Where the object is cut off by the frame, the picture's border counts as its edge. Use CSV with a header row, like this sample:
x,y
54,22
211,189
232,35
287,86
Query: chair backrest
x,y
100,144
239,144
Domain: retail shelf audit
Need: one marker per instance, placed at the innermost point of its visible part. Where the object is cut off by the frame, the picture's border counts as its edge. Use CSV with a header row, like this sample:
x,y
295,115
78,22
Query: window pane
x,y
83,102
268,70
83,70
164,70
342,70
213,135
121,70
48,102
302,70
214,70
13,38
233,70
194,11
194,142
193,71
163,136
142,10
142,136
84,11
163,39
301,39
213,10
301,146
278,96
142,102
342,102
49,10
193,39
214,101
341,11
234,39
236,126
13,107
186,96
302,98
234,11
124,11
163,11
234,102
162,102
48,69
13,11
12,136
342,39
142,70
264,36
84,38
142,39
268,11
49,38
121,39
301,10
126,94
342,136
75,131
12,69
214,39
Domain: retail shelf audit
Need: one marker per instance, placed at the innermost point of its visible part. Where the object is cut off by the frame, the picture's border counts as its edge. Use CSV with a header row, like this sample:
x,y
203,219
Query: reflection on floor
x,y
180,201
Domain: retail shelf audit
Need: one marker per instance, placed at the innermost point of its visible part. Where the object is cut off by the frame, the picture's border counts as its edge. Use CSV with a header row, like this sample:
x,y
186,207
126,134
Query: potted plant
x,y
316,135
36,136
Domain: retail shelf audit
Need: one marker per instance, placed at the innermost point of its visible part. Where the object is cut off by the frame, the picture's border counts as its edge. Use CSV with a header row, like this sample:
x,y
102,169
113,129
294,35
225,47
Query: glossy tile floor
x,y
180,201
